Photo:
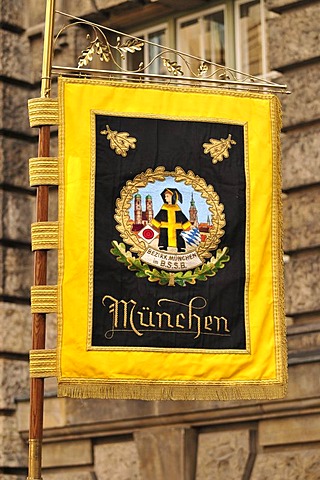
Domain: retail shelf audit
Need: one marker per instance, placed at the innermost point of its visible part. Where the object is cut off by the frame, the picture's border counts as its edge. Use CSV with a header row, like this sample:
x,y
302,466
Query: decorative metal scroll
x,y
178,65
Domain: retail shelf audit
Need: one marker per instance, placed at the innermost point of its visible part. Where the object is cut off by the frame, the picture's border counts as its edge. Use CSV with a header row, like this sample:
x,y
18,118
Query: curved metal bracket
x,y
175,62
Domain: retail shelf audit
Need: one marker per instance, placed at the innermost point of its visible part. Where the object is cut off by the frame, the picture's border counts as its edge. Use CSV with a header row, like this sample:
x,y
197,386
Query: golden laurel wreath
x,y
123,204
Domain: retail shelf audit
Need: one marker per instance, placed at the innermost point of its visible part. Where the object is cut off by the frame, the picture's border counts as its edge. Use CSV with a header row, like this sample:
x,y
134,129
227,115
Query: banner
x,y
170,263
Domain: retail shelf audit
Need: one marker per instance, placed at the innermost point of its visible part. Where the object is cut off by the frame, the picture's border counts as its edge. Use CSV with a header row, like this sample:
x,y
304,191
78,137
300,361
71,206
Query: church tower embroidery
x,y
193,212
142,217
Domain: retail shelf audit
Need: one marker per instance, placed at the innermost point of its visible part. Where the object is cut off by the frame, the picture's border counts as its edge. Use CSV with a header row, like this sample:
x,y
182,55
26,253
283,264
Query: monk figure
x,y
171,221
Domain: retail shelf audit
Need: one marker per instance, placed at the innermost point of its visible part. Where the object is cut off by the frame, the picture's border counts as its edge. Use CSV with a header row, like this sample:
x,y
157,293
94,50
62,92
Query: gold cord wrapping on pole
x,y
43,171
43,363
44,299
44,235
43,111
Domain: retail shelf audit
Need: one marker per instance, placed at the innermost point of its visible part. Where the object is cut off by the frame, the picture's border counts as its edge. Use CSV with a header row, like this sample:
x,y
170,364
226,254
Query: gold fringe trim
x,y
44,235
43,363
160,391
278,232
44,299
43,171
43,111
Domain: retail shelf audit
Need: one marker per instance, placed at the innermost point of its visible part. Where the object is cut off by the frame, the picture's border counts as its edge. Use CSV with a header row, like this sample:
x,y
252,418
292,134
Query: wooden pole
x,y
40,263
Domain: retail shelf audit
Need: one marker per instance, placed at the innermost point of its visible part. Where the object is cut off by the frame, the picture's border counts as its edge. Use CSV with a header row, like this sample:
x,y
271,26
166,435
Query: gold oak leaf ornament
x,y
131,46
86,56
172,67
219,149
120,142
95,47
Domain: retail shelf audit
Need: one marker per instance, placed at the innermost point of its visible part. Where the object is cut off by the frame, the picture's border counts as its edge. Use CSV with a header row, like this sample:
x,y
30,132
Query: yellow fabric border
x,y
43,363
44,299
120,374
43,111
44,235
43,171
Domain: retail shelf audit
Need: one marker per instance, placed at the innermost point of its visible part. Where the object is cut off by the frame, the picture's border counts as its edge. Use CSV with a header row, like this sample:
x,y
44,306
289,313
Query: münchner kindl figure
x,y
171,221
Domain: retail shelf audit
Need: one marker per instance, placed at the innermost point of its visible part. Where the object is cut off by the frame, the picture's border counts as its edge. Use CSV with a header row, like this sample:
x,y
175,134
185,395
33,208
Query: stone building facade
x,y
127,440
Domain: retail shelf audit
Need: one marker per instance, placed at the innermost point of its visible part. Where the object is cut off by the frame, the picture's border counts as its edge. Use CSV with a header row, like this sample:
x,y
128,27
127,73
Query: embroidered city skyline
x,y
145,206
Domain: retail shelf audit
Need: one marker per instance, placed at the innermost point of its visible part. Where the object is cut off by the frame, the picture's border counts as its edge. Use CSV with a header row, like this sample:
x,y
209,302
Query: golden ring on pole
x,y
35,452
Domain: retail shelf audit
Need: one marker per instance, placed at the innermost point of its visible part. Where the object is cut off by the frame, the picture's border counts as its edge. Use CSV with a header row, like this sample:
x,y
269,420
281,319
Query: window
x,y
250,37
156,35
231,34
203,35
